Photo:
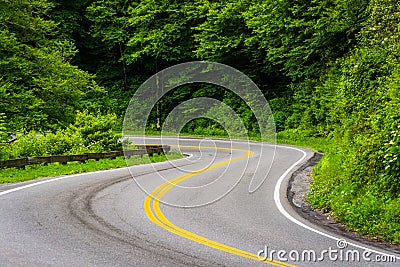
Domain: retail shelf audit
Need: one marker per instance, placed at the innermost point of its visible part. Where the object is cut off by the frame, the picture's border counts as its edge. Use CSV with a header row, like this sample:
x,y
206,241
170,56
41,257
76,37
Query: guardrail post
x,y
60,159
16,163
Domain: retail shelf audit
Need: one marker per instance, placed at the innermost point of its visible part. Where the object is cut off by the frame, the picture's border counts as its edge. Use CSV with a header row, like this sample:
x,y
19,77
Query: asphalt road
x,y
196,211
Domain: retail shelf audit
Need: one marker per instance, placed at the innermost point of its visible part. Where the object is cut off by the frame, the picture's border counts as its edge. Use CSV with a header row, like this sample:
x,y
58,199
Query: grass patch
x,y
12,175
298,138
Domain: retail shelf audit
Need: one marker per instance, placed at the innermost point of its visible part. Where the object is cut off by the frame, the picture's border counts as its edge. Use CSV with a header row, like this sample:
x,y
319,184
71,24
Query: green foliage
x,y
3,130
3,135
33,144
156,30
89,133
222,35
96,130
204,127
301,39
337,189
359,182
40,89
389,158
302,36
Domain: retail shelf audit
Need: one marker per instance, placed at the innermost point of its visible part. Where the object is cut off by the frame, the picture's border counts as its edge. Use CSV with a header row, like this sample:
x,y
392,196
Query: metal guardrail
x,y
142,150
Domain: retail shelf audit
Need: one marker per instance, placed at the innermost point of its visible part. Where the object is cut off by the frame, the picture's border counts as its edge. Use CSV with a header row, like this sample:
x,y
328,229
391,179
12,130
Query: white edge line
x,y
282,210
76,175
56,179
72,176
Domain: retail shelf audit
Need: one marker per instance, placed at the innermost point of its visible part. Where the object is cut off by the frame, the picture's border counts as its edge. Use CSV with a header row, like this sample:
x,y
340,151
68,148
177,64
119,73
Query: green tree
x,y
146,37
302,38
41,88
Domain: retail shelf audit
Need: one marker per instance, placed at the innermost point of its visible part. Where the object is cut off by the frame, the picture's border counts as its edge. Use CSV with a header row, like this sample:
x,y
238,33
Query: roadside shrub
x,y
358,181
3,129
26,145
47,144
96,131
390,160
3,135
60,143
90,133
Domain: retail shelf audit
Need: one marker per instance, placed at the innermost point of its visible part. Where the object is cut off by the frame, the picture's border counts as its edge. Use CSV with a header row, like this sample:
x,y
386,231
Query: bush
x,y
3,135
47,144
96,130
90,133
60,143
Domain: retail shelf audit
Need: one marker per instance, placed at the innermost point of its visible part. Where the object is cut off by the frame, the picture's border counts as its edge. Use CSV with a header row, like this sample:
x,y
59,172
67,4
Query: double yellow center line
x,y
153,211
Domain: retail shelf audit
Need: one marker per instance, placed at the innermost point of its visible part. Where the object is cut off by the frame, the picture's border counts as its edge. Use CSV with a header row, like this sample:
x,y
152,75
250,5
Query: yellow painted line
x,y
153,211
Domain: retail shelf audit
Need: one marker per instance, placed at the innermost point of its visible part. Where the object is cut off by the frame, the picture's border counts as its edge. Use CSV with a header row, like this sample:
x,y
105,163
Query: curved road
x,y
172,214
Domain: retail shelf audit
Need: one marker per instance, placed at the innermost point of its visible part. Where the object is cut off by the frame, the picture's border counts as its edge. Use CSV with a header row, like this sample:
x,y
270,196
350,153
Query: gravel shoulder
x,y
299,187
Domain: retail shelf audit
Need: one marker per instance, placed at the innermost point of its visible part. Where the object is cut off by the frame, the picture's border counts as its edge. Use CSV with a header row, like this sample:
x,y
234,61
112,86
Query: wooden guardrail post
x,y
60,159
95,155
16,163
39,160
80,158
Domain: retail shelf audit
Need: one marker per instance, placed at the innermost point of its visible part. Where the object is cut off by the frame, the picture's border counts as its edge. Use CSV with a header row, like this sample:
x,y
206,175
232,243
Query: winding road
x,y
225,205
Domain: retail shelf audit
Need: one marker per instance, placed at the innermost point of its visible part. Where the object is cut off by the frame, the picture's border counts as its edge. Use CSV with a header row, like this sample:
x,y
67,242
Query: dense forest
x,y
330,69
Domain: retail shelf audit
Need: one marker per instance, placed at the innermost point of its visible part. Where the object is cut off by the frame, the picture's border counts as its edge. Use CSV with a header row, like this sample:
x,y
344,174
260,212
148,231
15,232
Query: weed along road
x,y
224,205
